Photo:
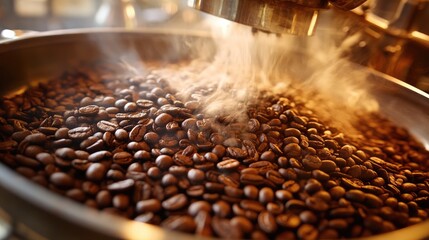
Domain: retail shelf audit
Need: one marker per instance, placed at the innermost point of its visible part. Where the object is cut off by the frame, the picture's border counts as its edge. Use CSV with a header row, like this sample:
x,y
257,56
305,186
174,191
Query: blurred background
x,y
394,34
43,15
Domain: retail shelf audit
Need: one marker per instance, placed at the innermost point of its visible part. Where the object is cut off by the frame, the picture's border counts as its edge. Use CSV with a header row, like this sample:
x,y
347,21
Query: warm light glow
x,y
420,36
9,34
313,23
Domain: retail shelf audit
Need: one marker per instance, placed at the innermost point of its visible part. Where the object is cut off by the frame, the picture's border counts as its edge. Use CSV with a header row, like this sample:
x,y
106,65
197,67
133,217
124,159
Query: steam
x,y
246,65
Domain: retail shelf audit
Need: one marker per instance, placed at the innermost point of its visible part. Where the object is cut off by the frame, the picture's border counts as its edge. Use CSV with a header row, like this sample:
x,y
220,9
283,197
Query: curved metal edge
x,y
8,45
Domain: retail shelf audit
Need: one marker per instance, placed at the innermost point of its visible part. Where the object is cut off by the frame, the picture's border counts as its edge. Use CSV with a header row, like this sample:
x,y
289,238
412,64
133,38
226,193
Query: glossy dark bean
x,y
228,164
107,126
175,202
150,205
96,172
267,222
137,133
122,158
121,186
312,162
132,148
61,180
221,208
79,133
288,220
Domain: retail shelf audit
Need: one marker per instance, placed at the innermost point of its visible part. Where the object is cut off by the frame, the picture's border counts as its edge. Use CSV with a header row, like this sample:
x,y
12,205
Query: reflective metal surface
x,y
38,213
297,17
271,16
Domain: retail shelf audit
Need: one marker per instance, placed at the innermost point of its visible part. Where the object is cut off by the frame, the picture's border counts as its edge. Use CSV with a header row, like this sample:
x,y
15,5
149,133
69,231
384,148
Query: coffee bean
x,y
221,208
107,126
180,223
373,201
121,201
35,138
266,195
199,206
122,158
137,133
96,172
244,224
121,186
104,198
196,175
307,231
316,204
61,180
228,164
80,133
175,202
89,110
288,220
291,186
251,205
65,153
163,119
98,156
267,222
219,225
150,205
355,195
312,162
253,179
292,150
308,217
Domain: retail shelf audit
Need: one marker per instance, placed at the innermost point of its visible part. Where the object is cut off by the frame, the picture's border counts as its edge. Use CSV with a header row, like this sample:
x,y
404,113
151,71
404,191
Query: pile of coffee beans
x,y
128,146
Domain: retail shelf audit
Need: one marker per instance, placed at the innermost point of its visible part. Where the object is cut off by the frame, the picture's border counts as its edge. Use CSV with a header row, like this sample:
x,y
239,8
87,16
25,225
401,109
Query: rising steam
x,y
247,64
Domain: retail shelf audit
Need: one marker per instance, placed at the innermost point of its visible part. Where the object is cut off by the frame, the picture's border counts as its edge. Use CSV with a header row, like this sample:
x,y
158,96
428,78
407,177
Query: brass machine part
x,y
297,17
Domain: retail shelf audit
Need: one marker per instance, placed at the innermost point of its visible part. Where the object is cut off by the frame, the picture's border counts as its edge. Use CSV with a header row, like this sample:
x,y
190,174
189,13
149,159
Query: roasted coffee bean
x,y
267,222
228,164
80,133
251,205
35,138
292,150
266,195
107,126
175,202
221,208
337,192
89,110
251,179
132,148
121,186
150,205
100,155
312,162
355,195
61,180
316,204
104,198
122,158
244,224
96,172
288,220
307,231
199,206
180,223
195,191
121,201
137,133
